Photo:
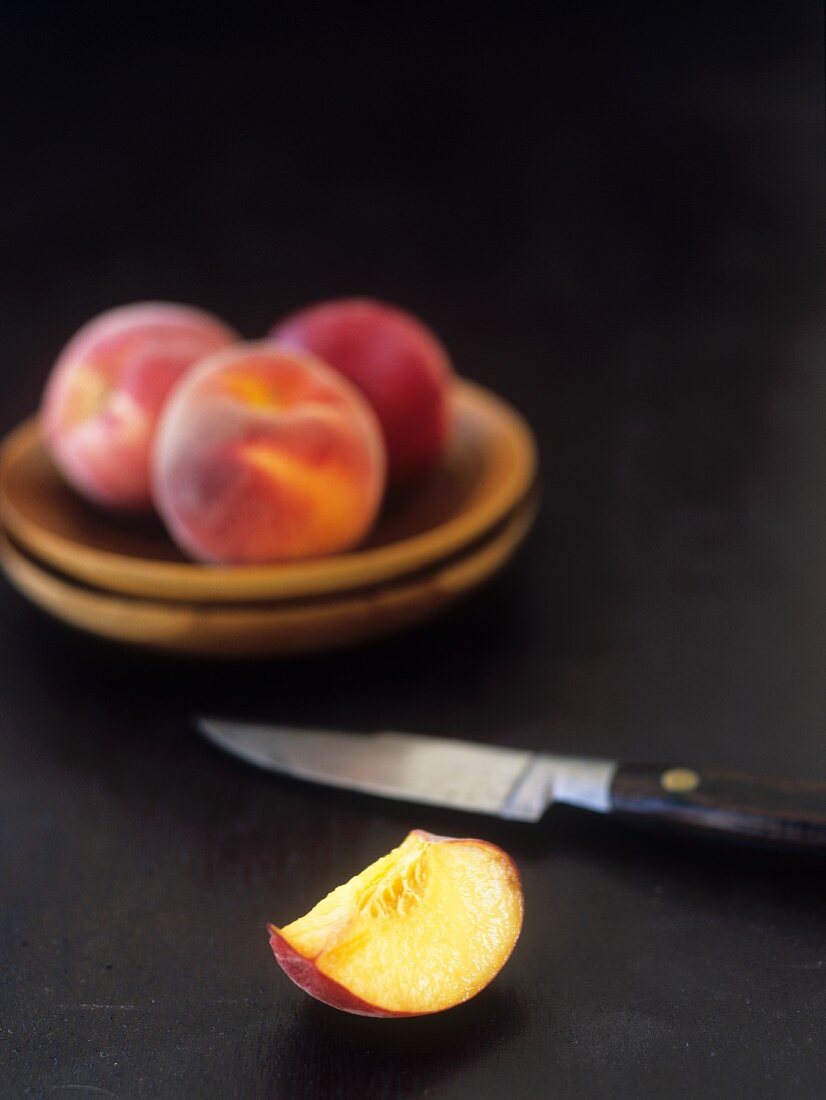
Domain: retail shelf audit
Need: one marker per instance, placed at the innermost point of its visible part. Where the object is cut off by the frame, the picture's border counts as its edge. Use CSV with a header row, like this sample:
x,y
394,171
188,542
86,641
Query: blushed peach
x,y
106,391
397,363
262,454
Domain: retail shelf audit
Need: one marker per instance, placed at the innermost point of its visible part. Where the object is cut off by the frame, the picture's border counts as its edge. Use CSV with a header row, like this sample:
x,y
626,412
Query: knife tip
x,y
210,727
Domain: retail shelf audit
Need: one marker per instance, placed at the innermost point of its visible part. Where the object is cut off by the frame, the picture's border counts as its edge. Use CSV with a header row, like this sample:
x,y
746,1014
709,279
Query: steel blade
x,y
438,771
462,775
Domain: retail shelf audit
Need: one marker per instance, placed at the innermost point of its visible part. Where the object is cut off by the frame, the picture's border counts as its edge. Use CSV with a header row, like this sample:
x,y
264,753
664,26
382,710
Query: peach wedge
x,y
420,930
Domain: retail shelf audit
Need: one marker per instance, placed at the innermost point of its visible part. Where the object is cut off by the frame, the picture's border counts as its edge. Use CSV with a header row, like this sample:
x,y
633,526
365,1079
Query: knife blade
x,y
489,779
518,784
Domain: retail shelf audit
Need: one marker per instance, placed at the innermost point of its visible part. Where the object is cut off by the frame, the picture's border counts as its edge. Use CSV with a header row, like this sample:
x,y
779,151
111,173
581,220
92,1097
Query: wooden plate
x,y
489,469
280,628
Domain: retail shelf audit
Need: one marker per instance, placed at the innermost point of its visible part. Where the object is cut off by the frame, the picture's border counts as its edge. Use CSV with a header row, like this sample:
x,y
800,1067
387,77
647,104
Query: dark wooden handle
x,y
780,812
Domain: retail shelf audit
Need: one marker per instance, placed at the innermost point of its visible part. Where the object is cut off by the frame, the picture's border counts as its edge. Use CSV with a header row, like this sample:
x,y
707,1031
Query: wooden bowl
x,y
490,468
278,628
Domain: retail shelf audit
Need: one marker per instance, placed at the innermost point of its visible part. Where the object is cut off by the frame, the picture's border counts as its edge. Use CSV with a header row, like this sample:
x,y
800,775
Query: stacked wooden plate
x,y
129,582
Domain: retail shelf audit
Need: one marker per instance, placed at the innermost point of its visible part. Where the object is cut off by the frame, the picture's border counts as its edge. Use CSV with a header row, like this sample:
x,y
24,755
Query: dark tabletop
x,y
616,220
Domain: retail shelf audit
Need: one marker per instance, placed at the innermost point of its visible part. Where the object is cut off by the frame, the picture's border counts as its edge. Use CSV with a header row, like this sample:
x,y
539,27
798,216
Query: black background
x,y
613,216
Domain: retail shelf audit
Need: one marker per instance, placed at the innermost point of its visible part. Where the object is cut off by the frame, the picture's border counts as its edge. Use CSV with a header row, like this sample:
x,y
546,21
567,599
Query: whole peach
x,y
263,454
106,391
397,363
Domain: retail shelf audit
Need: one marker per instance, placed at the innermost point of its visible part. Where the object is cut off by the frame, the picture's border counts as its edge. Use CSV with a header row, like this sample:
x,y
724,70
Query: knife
x,y
520,785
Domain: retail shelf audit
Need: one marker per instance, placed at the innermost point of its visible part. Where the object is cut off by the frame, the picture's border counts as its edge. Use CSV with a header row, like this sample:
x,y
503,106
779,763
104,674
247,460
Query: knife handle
x,y
782,813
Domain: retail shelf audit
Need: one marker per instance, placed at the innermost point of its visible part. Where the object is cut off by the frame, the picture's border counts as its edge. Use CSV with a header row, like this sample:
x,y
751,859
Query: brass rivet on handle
x,y
680,780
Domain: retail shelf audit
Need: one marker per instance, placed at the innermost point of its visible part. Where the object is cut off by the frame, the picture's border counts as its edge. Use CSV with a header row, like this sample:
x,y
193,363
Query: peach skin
x,y
420,930
397,363
106,391
264,454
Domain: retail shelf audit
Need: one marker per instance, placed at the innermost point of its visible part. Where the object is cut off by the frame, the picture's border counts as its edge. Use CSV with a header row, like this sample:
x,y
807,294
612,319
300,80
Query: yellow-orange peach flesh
x,y
264,454
107,389
420,930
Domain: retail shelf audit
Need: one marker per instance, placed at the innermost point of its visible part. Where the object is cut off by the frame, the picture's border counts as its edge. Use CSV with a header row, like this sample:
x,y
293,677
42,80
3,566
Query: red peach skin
x,y
397,363
264,454
107,389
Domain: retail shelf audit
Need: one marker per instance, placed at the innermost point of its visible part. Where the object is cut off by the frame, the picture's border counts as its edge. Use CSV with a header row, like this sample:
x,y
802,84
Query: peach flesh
x,y
420,930
399,365
107,389
264,454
